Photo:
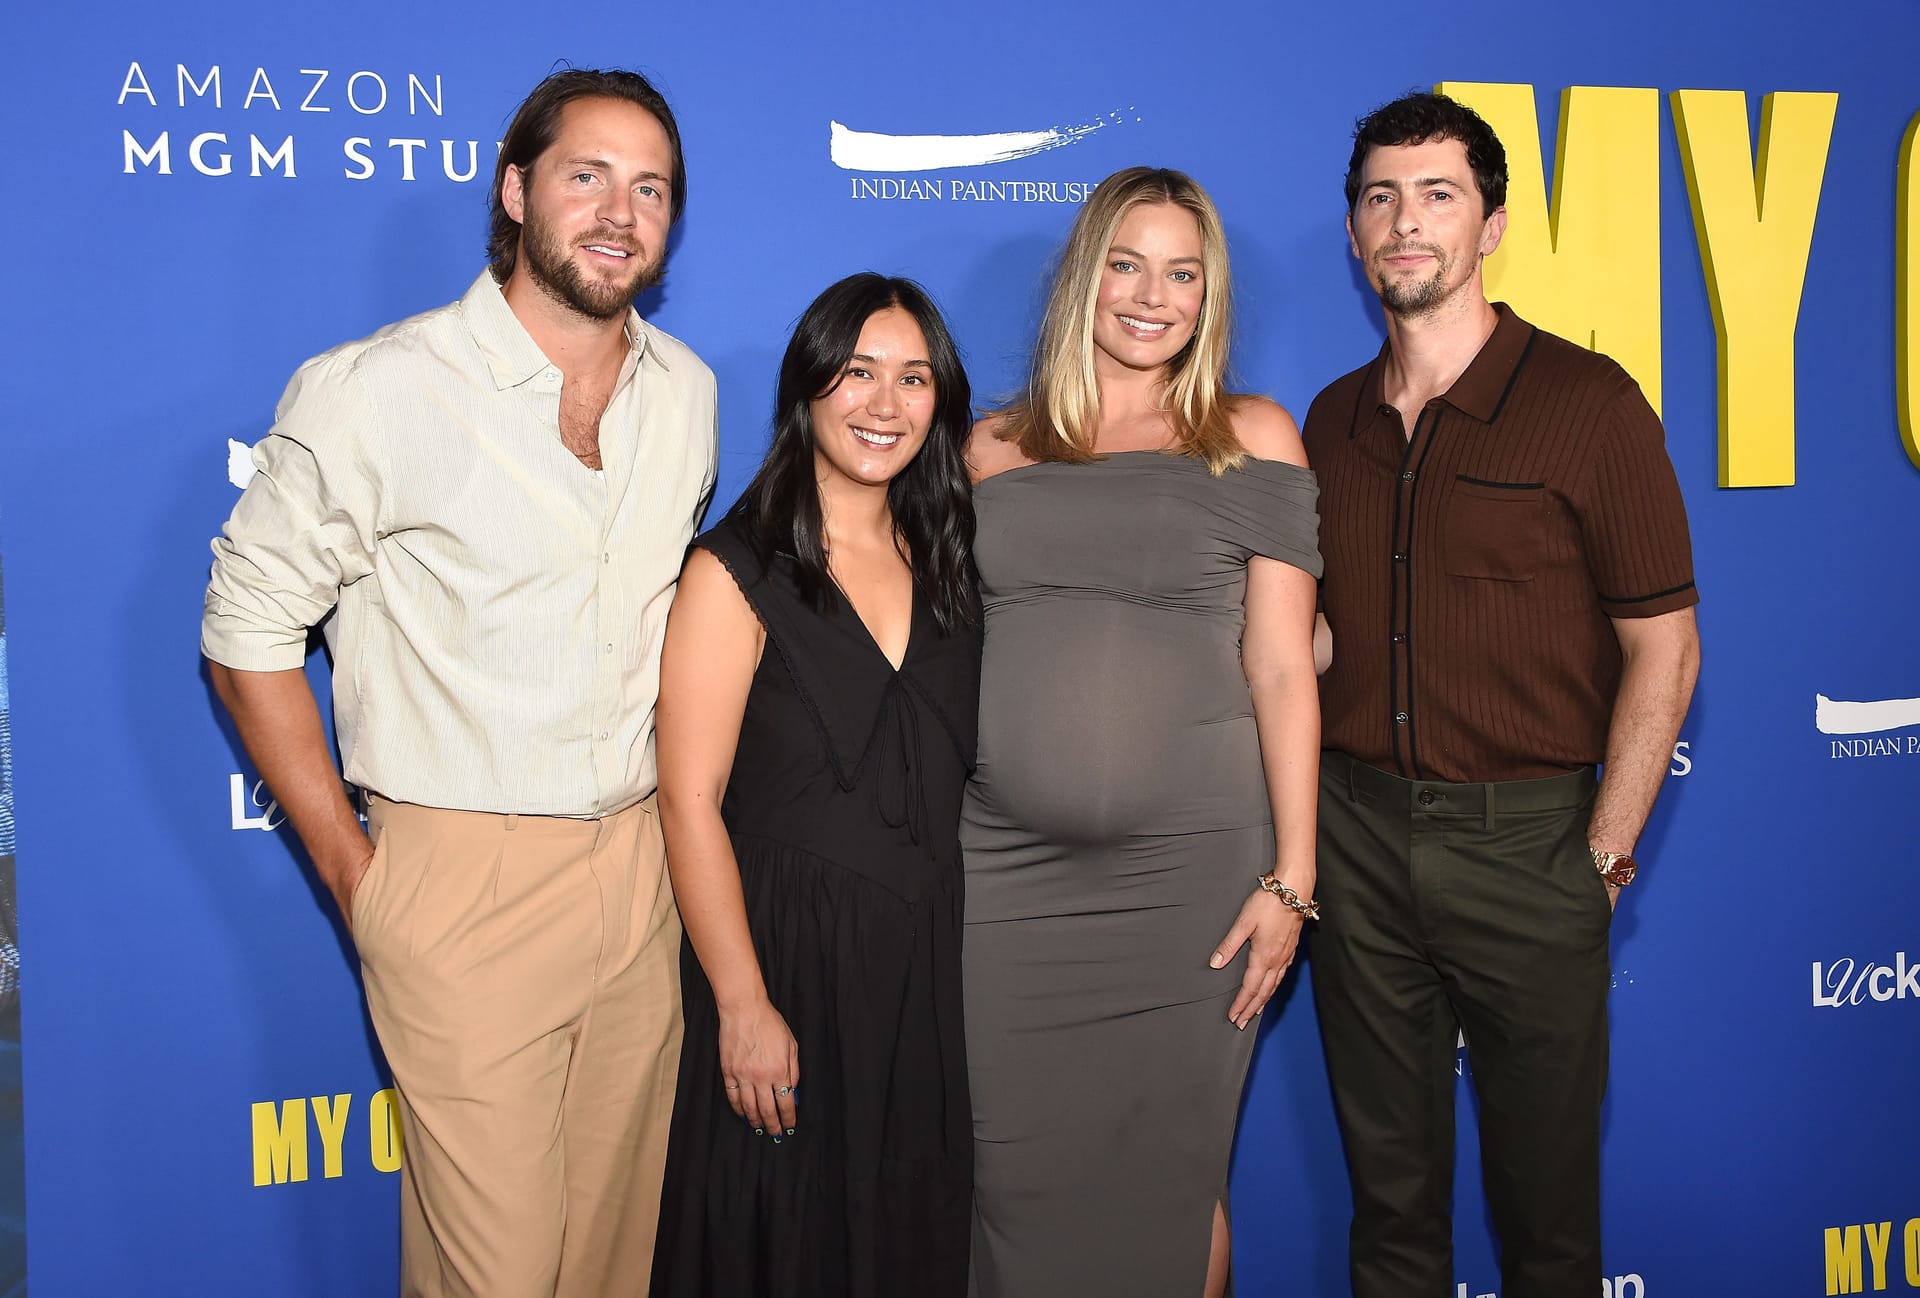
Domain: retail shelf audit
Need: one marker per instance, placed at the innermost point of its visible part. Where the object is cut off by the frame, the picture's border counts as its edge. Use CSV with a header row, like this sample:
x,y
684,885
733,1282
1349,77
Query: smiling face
x,y
594,208
1419,228
874,420
1151,288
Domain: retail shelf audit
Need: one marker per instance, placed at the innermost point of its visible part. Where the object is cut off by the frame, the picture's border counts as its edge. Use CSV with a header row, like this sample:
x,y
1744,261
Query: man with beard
x,y
492,500
1509,585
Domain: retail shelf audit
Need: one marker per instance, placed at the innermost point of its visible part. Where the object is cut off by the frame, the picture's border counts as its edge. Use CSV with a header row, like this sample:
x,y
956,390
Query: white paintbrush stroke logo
x,y
239,463
1839,717
875,151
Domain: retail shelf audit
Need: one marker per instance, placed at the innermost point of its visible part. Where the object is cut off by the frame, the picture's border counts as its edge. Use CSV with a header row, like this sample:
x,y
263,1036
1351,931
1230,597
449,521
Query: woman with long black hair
x,y
817,704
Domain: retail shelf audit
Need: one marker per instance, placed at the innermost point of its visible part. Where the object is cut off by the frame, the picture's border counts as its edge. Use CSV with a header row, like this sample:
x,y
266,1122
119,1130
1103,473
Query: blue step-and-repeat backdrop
x,y
203,193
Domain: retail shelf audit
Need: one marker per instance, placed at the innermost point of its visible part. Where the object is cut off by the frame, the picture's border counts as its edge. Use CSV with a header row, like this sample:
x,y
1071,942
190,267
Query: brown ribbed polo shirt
x,y
1471,569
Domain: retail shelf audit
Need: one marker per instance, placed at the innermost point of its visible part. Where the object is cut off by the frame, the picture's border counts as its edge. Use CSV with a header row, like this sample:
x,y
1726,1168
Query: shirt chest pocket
x,y
1495,531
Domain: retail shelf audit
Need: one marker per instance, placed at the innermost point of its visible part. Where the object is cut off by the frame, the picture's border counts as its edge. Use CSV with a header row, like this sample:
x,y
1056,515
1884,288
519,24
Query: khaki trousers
x,y
523,976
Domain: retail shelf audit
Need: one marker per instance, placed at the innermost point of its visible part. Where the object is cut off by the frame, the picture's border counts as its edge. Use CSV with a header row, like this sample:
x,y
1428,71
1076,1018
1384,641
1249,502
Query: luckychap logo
x,y
1846,981
1863,725
895,167
289,122
252,807
1630,1285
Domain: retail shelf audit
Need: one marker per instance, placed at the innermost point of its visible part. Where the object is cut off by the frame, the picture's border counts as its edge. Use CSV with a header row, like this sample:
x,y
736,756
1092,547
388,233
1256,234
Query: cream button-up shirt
x,y
497,607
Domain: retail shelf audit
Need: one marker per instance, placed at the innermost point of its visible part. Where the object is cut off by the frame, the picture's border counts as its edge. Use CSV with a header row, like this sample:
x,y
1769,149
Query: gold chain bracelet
x,y
1291,899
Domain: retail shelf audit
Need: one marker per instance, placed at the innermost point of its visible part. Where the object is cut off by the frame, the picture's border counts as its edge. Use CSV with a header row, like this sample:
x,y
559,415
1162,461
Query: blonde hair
x,y
1056,416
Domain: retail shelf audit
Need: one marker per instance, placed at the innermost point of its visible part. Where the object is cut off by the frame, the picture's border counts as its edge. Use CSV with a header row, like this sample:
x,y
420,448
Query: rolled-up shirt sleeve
x,y
304,528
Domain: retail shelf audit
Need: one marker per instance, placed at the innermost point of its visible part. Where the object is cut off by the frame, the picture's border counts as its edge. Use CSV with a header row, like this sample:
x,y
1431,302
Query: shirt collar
x,y
1481,390
511,354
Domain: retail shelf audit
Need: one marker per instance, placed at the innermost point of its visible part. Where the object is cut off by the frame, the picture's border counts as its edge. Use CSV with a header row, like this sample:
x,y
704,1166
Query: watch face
x,y
1620,870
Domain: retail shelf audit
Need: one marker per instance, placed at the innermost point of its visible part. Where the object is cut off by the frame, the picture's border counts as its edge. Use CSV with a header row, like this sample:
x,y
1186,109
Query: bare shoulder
x,y
702,568
1266,430
989,452
709,596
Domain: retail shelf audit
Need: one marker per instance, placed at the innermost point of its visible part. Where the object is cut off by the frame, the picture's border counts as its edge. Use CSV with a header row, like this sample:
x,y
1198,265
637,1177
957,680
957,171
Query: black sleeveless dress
x,y
843,809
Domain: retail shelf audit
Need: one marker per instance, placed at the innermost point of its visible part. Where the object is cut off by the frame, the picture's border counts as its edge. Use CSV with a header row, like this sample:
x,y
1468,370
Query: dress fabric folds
x,y
1116,822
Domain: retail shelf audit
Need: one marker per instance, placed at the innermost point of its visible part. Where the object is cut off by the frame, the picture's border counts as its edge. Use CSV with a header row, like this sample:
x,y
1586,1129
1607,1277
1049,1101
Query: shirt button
x,y
609,646
1426,797
1406,475
1399,558
1399,719
603,734
606,558
1399,637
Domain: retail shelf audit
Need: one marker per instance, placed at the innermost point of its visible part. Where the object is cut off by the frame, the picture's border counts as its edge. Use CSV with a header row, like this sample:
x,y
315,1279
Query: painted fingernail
x,y
776,1137
759,1131
790,1130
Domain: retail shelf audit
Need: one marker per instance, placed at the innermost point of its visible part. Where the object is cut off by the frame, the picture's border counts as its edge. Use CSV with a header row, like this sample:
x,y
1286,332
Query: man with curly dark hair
x,y
1509,588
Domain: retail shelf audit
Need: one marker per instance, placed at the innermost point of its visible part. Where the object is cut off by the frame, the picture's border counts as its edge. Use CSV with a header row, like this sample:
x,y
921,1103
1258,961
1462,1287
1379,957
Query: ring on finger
x,y
784,1090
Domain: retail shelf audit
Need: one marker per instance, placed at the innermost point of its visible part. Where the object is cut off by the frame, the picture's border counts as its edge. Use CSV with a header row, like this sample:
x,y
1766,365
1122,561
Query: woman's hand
x,y
760,1067
1274,929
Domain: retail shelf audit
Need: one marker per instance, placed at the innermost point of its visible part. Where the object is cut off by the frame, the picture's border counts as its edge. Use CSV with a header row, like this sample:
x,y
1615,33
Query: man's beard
x,y
1407,297
551,266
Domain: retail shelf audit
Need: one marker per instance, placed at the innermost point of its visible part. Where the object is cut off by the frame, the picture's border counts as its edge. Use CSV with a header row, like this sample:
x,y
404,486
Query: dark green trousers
x,y
1468,908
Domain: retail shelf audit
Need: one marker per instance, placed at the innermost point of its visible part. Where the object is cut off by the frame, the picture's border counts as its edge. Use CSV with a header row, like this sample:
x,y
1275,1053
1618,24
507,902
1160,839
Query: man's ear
x,y
1495,230
513,194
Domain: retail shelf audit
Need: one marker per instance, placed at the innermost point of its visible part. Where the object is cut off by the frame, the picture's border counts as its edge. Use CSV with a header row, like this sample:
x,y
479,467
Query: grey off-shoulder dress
x,y
1115,824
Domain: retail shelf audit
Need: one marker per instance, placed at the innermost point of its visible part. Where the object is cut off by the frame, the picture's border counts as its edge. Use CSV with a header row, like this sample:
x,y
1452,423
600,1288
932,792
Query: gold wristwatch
x,y
1617,868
